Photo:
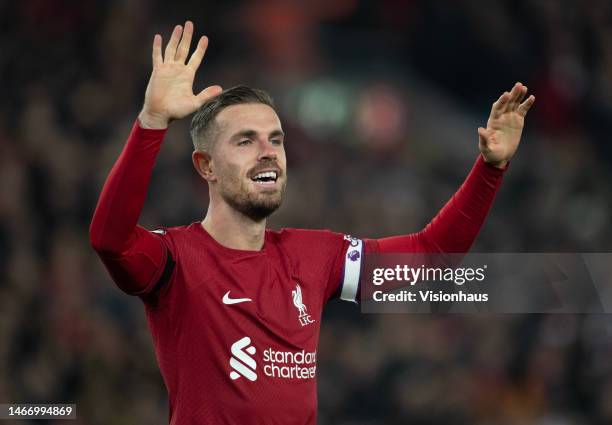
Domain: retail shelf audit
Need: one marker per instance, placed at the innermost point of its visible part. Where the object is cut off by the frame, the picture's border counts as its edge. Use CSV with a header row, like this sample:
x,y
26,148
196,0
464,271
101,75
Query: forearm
x,y
134,257
456,226
116,216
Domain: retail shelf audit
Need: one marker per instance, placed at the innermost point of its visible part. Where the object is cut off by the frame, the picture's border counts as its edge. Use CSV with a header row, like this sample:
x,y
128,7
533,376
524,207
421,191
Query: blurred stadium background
x,y
380,101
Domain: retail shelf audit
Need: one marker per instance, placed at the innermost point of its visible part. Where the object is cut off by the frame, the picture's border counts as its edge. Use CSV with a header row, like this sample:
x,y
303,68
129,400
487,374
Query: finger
x,y
198,54
526,105
522,96
183,48
170,52
157,54
208,93
500,105
515,94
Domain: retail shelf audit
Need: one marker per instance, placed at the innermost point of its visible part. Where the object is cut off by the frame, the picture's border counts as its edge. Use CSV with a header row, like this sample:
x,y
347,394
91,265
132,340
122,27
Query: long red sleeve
x,y
455,227
134,257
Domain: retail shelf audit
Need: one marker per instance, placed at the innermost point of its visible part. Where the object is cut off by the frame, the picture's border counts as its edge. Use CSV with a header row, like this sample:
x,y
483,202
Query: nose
x,y
267,151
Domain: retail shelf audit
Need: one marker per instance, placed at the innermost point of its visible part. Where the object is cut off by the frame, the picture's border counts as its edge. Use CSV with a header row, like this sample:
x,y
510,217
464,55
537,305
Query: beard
x,y
255,205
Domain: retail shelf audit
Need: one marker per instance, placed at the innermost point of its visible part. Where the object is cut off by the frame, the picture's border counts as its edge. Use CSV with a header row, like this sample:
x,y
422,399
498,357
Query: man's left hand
x,y
499,141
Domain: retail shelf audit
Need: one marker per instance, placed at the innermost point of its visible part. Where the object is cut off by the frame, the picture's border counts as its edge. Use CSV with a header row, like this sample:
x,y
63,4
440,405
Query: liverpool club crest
x,y
303,315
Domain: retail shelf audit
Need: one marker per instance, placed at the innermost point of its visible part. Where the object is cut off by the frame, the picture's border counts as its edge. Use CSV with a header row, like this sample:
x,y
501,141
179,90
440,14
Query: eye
x,y
277,142
244,142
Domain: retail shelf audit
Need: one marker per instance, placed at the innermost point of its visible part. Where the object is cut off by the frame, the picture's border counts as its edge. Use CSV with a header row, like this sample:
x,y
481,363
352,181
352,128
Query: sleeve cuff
x,y
146,136
148,131
491,169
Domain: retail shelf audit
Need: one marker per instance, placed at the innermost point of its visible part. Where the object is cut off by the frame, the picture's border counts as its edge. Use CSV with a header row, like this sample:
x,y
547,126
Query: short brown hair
x,y
203,120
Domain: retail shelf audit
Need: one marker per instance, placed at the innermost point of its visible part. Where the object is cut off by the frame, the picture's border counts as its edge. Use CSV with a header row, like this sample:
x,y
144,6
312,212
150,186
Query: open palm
x,y
499,141
169,95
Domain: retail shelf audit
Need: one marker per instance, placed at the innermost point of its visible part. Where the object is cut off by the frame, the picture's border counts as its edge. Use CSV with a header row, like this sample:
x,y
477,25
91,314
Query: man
x,y
234,308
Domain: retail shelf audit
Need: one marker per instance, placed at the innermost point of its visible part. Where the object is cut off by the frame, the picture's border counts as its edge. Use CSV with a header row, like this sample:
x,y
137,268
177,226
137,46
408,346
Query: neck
x,y
232,229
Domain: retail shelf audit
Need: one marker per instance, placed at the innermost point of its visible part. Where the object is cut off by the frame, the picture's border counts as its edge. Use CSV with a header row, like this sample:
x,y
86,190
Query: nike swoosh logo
x,y
229,301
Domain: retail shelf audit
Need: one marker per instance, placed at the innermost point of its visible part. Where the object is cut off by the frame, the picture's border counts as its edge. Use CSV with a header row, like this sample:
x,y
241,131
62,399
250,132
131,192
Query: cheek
x,y
230,173
284,165
232,164
283,159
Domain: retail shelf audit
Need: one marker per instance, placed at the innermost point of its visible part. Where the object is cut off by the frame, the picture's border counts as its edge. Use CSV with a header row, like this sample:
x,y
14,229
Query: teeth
x,y
267,174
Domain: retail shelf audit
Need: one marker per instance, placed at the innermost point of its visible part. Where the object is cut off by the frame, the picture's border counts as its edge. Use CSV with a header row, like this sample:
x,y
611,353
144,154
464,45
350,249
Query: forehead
x,y
253,116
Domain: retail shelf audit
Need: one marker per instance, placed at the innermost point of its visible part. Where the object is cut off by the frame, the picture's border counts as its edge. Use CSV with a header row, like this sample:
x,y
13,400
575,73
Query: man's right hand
x,y
170,94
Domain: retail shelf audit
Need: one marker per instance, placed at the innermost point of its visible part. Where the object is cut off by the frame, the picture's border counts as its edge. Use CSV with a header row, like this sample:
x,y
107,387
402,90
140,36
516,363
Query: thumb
x,y
208,93
483,138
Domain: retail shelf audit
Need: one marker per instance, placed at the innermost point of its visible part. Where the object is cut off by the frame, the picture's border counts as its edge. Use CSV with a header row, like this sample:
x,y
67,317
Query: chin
x,y
256,203
260,210
256,206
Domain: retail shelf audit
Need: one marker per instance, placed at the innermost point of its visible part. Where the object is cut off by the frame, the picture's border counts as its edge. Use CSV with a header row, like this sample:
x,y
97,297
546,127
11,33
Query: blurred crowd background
x,y
380,101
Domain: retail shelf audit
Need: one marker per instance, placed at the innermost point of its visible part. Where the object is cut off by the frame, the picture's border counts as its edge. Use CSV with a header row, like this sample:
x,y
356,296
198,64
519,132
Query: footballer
x,y
234,308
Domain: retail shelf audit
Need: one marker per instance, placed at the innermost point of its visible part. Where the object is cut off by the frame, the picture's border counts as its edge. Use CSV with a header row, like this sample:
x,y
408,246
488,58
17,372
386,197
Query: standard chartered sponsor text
x,y
288,364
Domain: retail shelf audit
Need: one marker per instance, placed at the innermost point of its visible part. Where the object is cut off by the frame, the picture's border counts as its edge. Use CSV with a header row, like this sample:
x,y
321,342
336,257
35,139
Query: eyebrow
x,y
252,133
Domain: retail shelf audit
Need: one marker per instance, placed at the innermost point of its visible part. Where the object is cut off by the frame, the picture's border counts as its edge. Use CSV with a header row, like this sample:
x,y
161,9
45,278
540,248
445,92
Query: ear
x,y
202,161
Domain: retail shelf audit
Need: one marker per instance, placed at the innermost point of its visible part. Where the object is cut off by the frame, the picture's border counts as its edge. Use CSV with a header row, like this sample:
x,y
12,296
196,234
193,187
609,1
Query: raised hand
x,y
499,141
169,95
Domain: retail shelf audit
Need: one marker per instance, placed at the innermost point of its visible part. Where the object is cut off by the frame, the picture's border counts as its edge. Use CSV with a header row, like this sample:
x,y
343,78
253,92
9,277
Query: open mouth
x,y
265,178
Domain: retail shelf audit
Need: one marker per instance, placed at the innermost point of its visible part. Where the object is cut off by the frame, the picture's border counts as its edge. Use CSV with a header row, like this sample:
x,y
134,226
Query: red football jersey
x,y
236,332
